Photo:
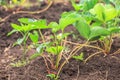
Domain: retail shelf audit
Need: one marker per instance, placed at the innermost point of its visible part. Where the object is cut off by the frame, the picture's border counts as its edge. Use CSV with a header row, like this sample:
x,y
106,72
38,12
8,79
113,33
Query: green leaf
x,y
114,30
26,20
104,12
51,76
54,50
23,28
77,7
19,41
11,32
96,23
68,19
83,28
34,37
98,11
39,49
98,31
16,27
35,55
110,12
65,14
61,36
20,63
107,1
79,57
41,24
88,4
55,27
88,17
38,24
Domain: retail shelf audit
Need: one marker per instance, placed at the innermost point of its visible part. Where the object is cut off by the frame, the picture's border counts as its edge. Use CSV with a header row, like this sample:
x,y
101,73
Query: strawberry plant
x,y
54,46
106,16
27,29
98,22
58,46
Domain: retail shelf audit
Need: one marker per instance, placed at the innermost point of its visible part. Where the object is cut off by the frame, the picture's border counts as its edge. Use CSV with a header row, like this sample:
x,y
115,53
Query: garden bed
x,y
97,68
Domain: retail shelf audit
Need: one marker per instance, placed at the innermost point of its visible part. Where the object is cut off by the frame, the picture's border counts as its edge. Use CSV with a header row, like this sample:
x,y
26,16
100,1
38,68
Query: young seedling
x,y
52,76
25,29
54,47
57,48
79,57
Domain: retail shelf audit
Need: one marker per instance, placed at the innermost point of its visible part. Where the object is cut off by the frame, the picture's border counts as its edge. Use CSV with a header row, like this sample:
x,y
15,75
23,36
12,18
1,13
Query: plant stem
x,y
116,52
91,56
60,55
76,49
86,46
41,36
25,45
46,64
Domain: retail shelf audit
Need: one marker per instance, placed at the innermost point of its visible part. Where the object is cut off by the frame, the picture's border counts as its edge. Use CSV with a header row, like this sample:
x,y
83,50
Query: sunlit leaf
x,y
16,27
83,28
27,20
54,26
20,63
62,36
54,50
79,57
39,49
38,24
104,12
68,19
34,37
98,11
51,76
19,41
11,32
110,12
77,7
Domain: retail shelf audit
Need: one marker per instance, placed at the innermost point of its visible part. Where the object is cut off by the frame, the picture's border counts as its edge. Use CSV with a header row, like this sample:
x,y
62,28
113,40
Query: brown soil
x,y
97,68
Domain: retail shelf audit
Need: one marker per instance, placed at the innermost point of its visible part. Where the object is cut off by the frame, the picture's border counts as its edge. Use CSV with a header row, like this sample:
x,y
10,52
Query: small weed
x,y
79,57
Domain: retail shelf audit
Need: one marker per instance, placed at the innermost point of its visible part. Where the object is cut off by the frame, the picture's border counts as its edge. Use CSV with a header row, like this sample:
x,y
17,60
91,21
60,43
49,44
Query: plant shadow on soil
x,y
97,68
